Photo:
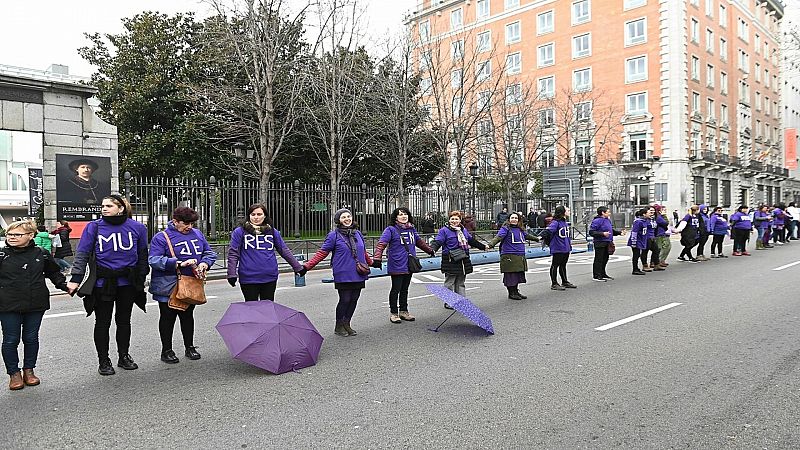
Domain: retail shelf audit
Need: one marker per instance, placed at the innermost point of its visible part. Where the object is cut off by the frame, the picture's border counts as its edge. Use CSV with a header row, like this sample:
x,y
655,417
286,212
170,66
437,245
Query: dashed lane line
x,y
787,265
637,316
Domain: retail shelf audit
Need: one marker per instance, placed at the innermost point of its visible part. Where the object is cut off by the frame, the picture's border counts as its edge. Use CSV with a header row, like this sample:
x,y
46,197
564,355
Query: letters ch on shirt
x,y
563,232
116,241
259,242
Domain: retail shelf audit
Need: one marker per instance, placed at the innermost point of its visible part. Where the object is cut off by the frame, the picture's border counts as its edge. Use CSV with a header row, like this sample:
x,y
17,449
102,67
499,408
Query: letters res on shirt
x,y
259,242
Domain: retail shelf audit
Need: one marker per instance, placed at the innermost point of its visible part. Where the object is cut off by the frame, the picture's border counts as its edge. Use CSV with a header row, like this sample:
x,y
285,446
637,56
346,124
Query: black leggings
x,y
166,324
348,299
559,264
701,245
717,243
653,248
779,235
261,291
687,249
399,290
600,261
740,239
637,256
103,311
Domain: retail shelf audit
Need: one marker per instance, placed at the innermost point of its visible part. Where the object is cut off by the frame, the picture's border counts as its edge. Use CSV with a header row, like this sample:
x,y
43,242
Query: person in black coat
x,y
24,298
63,252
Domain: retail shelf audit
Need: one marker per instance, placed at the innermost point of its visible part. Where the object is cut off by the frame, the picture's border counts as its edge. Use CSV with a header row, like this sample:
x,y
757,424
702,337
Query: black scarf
x,y
115,220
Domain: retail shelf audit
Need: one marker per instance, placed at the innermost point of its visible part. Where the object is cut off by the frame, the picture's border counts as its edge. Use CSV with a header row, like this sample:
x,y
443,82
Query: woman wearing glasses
x,y
179,247
24,298
113,249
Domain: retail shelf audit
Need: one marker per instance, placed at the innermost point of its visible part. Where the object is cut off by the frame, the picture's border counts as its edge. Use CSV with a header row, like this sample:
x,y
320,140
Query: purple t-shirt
x,y
513,242
342,262
116,246
741,221
638,236
251,257
559,240
396,255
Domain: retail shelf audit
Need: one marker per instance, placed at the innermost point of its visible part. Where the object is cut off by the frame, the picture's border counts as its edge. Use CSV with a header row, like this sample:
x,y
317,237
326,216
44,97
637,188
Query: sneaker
x,y
637,272
569,285
608,278
736,254
745,254
126,362
557,287
168,356
599,279
721,256
105,367
405,315
647,269
394,318
191,353
694,260
659,269
447,306
714,256
682,258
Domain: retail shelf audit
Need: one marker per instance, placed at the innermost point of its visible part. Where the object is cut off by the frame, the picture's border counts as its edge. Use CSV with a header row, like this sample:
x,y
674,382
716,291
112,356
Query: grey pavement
x,y
721,370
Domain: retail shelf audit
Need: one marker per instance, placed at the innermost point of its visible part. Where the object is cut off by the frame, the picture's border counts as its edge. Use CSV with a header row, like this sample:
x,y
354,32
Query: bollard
x,y
299,281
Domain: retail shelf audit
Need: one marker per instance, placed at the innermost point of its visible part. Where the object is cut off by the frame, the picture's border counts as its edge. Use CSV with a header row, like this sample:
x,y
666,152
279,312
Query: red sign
x,y
790,144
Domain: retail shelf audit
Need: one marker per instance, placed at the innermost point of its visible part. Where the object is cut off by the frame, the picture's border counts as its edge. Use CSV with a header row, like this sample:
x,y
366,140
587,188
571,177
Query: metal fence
x,y
302,210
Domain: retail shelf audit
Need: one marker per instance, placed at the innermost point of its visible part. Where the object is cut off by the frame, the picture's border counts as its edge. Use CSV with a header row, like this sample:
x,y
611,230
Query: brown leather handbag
x,y
189,290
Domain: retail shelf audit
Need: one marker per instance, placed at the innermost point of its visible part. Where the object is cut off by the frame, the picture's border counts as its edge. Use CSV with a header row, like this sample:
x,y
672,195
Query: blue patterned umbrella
x,y
462,305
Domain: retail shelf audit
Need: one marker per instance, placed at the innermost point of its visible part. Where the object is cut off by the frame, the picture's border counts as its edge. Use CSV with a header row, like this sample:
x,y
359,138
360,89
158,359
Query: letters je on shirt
x,y
260,242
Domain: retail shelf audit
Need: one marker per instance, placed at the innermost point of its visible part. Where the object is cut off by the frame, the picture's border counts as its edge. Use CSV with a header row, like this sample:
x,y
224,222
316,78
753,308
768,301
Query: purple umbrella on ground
x,y
270,336
462,305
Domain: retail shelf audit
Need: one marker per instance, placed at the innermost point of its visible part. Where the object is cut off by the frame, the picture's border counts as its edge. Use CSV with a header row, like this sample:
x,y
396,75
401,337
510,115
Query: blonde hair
x,y
27,226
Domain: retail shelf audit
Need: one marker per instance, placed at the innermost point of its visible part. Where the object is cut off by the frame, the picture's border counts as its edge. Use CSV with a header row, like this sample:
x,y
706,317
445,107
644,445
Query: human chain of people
x,y
113,258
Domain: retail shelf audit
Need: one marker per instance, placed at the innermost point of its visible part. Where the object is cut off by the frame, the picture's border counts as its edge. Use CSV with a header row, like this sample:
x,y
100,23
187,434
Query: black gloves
x,y
432,254
232,281
302,272
376,263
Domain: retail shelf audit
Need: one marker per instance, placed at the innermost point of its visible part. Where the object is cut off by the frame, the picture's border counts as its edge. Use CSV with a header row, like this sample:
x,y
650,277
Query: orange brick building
x,y
690,90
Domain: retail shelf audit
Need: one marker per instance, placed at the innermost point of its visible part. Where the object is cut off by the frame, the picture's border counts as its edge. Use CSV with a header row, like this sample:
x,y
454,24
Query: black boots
x,y
126,362
168,356
513,293
340,330
105,367
191,353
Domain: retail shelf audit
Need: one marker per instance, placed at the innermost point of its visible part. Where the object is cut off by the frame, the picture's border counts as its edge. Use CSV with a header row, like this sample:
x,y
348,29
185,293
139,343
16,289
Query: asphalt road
x,y
719,370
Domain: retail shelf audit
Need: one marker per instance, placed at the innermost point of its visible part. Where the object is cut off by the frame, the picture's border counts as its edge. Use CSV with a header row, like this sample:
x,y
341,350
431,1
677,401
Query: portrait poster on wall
x,y
81,184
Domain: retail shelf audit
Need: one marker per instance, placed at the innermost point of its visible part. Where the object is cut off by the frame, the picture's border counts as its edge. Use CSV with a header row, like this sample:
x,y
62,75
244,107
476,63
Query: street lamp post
x,y
238,151
127,177
473,172
438,181
212,212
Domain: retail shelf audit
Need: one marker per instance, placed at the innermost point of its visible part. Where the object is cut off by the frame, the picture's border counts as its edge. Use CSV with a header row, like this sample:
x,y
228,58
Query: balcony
x,y
709,156
723,158
735,162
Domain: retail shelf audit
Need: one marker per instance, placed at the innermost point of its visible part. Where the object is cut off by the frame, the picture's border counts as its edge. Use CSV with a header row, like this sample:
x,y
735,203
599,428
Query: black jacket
x,y
22,274
66,247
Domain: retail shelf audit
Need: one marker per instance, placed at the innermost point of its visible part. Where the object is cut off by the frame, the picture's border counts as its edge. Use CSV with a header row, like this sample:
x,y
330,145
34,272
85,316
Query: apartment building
x,y
675,101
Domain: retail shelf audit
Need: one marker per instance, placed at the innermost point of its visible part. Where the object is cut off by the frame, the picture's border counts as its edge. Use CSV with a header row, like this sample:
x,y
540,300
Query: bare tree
x,y
253,98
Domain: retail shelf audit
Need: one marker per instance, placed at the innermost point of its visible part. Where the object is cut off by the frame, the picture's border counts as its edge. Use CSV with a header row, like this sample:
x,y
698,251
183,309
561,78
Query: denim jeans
x,y
63,264
16,327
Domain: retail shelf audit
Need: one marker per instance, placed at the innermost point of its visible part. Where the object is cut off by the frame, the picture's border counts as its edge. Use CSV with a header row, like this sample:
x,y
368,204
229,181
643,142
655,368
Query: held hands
x,y
376,263
432,254
302,272
606,234
72,288
232,281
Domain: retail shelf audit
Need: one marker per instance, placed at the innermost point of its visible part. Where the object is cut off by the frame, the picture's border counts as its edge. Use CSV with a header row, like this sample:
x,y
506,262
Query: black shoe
x,y
340,330
126,362
519,294
681,258
569,285
608,278
105,367
599,279
638,272
446,306
191,353
169,357
694,260
514,296
721,256
558,287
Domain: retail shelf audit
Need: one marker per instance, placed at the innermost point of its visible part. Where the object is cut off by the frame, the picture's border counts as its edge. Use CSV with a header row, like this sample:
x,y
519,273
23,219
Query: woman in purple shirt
x,y
557,237
513,264
688,228
402,239
742,227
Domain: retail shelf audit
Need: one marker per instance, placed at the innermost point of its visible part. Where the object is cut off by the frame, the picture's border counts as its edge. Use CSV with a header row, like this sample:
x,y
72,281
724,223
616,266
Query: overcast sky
x,y
37,33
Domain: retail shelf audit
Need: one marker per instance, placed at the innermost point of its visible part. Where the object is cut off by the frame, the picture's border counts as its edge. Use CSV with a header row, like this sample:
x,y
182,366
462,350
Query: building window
x,y
723,114
482,9
699,190
723,49
511,4
457,106
757,43
580,12
583,111
546,117
743,30
484,41
629,4
723,15
583,153
456,78
766,78
636,69
457,50
710,108
425,84
695,68
514,94
726,193
638,144
709,40
582,80
548,158
757,70
547,87
582,45
636,31
694,144
456,19
425,31
695,102
713,191
694,31
514,63
661,192
710,8
544,22
512,32
723,83
636,103
484,100
641,194
425,60
710,76
484,71
546,55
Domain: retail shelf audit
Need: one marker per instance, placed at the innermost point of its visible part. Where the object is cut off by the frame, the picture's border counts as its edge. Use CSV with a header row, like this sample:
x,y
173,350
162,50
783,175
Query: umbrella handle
x,y
436,330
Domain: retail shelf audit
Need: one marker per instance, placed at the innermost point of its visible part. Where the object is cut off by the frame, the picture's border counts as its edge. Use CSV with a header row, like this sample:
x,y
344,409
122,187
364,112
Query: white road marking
x,y
433,278
787,266
431,295
78,313
637,316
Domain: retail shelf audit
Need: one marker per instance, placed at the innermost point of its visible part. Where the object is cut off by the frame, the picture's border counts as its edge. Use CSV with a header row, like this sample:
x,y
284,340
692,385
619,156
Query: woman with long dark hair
x,y
637,241
182,248
602,232
402,240
702,232
455,241
718,227
688,228
742,227
251,256
513,264
556,236
116,246
350,265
